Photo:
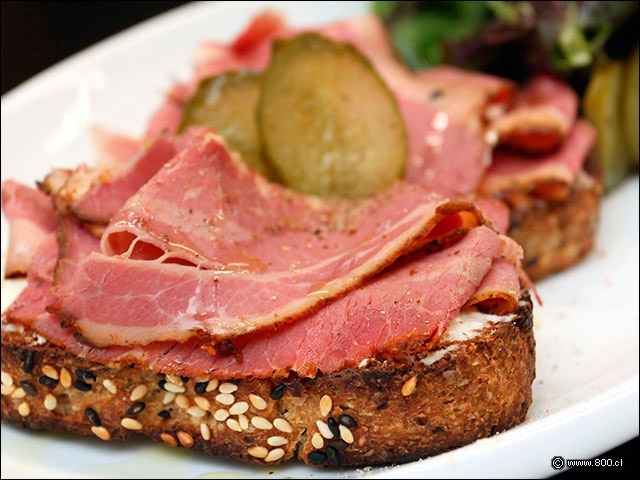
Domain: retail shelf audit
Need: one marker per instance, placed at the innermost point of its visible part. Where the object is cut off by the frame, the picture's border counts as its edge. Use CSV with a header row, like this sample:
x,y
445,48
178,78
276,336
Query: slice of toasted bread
x,y
558,234
476,383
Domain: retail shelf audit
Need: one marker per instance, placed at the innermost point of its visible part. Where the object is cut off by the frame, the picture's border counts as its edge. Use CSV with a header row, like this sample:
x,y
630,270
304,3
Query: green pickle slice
x,y
329,124
228,102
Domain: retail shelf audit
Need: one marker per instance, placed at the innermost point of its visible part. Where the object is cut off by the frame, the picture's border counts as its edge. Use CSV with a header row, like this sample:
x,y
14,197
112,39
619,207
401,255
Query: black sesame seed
x,y
201,387
85,376
339,444
347,421
333,457
278,392
28,362
29,388
93,416
136,408
184,379
47,381
161,384
164,414
317,457
82,386
333,426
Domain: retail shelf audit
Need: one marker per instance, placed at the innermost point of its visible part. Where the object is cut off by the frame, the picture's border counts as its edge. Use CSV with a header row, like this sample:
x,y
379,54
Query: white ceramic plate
x,y
586,390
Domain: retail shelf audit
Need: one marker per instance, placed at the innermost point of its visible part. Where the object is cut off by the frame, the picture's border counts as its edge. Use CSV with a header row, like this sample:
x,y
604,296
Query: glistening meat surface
x,y
288,253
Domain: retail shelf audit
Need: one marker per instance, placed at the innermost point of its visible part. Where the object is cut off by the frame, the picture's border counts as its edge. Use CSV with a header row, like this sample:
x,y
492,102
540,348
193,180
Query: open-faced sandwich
x,y
310,279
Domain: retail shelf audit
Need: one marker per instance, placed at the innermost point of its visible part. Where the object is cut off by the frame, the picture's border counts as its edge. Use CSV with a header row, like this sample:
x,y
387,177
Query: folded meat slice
x,y
544,112
549,176
31,219
403,310
287,252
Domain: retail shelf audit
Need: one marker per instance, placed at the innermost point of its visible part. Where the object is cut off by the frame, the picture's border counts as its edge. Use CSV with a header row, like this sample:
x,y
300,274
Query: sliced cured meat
x,y
288,252
405,308
499,291
112,147
31,219
544,112
549,175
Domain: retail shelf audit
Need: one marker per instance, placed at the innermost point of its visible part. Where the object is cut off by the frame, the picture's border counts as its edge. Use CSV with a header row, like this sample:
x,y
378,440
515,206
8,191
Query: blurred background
x,y
589,43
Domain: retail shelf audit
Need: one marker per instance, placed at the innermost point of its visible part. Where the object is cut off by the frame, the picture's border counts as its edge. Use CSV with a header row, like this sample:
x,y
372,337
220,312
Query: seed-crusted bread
x,y
475,384
558,234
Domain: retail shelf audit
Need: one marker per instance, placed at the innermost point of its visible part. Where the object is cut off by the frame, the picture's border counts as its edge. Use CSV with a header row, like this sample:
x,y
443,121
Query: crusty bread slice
x,y
475,384
558,234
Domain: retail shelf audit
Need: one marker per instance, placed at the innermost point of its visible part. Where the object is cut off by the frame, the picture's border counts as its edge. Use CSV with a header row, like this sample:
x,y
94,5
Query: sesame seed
x,y
196,412
317,441
409,386
273,455
162,384
169,439
317,457
50,402
200,387
27,366
227,387
333,426
164,414
347,421
24,409
202,402
184,379
239,408
203,378
47,381
243,421
92,416
109,385
65,378
131,424
339,444
333,458
278,392
172,387
82,386
345,434
282,425
258,452
173,379
257,401
233,424
50,372
185,439
213,384
6,378
168,398
136,408
101,432
225,398
221,415
183,401
205,432
277,441
324,429
29,388
86,376
325,405
7,389
19,393
138,392
261,423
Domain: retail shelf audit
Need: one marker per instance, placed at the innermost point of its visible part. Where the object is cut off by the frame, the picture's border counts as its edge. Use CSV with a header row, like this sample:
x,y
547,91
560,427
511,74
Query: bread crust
x,y
558,234
480,387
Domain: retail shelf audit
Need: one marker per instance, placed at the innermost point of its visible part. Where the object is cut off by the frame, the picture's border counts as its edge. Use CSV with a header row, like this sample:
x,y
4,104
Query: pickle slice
x,y
329,124
228,102
601,104
630,103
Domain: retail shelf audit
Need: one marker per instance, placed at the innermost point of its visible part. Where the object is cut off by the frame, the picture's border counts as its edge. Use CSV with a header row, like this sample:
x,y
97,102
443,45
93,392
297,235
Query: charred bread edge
x,y
368,415
558,234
